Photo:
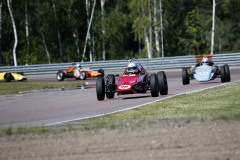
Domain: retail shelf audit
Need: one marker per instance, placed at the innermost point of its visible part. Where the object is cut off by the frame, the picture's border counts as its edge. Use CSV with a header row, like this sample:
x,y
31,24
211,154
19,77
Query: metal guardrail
x,y
233,59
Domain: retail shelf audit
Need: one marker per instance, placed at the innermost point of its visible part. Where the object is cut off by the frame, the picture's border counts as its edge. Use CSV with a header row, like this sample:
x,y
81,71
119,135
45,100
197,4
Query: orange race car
x,y
79,73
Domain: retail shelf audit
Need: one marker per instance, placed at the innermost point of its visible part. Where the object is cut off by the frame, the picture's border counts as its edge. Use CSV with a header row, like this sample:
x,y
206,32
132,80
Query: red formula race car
x,y
79,73
135,79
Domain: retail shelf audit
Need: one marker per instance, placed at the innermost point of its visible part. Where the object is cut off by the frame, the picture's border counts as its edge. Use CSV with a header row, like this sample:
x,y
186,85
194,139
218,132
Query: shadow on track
x,y
137,97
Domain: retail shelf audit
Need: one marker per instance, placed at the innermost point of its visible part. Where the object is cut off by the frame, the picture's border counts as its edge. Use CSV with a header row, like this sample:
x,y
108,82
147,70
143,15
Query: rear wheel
x,y
185,76
227,73
60,76
83,75
100,88
154,85
110,83
223,75
162,83
7,77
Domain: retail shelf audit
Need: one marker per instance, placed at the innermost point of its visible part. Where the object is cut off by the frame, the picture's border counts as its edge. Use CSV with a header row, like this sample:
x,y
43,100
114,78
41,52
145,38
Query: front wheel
x,y
60,76
83,75
154,85
7,77
162,83
227,73
100,88
223,75
185,76
110,83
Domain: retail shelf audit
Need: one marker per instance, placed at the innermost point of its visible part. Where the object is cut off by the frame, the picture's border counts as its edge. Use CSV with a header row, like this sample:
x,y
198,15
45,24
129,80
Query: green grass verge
x,y
16,87
222,103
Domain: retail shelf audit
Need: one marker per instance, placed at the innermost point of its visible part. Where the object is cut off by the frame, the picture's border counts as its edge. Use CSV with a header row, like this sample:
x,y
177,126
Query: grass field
x,y
222,102
16,87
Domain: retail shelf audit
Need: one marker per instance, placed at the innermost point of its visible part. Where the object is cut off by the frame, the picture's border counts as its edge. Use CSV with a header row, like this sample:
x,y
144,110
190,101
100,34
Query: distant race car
x,y
7,77
204,71
135,79
79,73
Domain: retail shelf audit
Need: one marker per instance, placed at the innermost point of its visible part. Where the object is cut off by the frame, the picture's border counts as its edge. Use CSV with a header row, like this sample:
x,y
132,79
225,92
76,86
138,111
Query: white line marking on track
x,y
77,119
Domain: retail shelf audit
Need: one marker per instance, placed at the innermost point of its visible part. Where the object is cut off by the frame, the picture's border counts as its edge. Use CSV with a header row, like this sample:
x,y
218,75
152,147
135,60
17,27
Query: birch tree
x,y
103,31
150,54
147,41
146,38
156,28
88,6
58,30
140,13
92,40
213,27
161,27
26,21
45,46
139,41
15,32
88,31
0,31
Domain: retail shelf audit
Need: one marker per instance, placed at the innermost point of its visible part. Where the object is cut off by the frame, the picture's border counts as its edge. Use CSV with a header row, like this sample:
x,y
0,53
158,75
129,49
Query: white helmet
x,y
132,68
205,60
78,65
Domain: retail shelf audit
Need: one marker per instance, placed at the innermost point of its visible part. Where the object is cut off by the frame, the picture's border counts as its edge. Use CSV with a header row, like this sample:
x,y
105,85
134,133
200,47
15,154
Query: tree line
x,y
54,31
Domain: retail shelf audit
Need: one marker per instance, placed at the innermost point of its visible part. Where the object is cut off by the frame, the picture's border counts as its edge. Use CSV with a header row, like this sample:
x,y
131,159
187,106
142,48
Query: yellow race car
x,y
7,77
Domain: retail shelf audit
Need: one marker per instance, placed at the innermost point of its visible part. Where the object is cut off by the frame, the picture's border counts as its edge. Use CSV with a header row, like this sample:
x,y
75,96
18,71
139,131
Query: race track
x,y
59,107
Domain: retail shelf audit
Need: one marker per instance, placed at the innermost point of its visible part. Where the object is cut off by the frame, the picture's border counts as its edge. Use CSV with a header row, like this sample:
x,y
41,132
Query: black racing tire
x,y
222,72
162,83
185,76
100,88
101,71
7,77
227,73
110,81
154,85
83,75
60,76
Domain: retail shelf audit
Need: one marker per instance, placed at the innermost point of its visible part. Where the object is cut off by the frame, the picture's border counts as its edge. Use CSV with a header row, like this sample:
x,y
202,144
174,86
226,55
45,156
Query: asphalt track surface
x,y
59,107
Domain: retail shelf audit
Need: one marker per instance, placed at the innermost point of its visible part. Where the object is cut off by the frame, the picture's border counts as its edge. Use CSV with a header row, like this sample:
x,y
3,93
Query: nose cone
x,y
203,74
126,82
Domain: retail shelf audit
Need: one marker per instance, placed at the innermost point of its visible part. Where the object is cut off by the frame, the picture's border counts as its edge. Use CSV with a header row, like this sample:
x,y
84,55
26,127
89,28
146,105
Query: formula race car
x,y
135,79
79,73
204,71
7,77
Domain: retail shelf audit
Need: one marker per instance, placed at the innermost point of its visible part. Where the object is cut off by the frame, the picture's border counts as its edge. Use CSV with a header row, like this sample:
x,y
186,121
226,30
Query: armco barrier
x,y
233,59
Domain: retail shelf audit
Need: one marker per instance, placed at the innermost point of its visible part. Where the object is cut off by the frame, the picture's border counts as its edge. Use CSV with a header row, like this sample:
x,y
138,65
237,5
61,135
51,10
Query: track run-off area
x,y
63,106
